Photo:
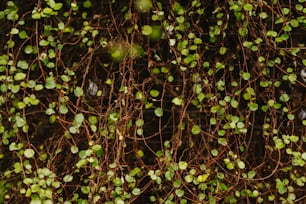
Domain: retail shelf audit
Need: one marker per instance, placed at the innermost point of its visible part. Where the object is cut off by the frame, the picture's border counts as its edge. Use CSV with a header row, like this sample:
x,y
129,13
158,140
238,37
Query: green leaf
x,y
93,128
159,112
299,7
10,43
213,121
195,130
189,178
240,164
21,105
15,88
229,164
179,192
63,109
43,43
292,78
19,76
222,50
220,65
197,41
139,95
82,154
14,31
202,178
57,6
178,101
285,11
304,156
287,28
68,178
222,141
136,191
240,125
139,122
177,183
61,25
221,132
23,35
74,149
20,122
290,116
253,106
13,146
180,19
251,174
50,65
47,11
35,14
234,103
294,138
28,49
117,54
114,116
164,70
49,111
85,189
4,60
182,165
227,99
39,87
81,162
294,23
146,30
247,44
281,186
78,91
17,167
65,78
29,153
250,90
143,5
139,153
271,33
50,83
129,178
154,93
246,76
22,64
279,144
93,120
79,118
87,4
248,7
214,152
264,83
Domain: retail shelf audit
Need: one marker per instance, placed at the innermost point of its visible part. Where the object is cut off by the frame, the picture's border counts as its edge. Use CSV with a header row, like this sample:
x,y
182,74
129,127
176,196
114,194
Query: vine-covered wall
x,y
146,101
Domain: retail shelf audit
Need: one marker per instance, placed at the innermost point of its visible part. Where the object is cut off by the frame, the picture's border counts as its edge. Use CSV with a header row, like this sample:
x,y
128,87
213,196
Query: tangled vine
x,y
152,101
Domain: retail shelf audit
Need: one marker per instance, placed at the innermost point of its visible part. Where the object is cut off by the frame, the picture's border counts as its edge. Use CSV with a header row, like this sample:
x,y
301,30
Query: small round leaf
x,y
159,112
146,30
29,153
68,178
78,91
136,191
183,165
195,130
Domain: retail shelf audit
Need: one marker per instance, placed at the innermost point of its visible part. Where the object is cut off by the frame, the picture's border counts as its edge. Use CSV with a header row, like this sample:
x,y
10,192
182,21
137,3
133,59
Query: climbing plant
x,y
148,101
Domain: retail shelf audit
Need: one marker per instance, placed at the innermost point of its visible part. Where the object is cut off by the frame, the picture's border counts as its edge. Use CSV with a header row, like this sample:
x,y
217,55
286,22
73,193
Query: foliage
x,y
152,101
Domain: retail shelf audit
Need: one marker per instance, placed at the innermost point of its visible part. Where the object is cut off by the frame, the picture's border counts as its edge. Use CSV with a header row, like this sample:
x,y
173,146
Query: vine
x,y
152,101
